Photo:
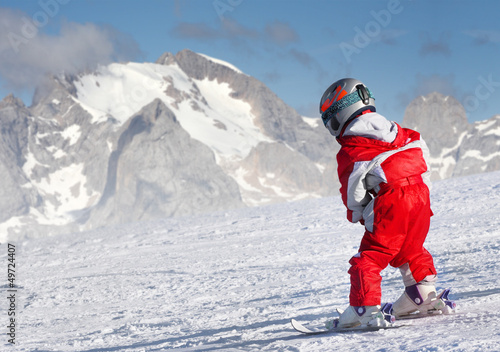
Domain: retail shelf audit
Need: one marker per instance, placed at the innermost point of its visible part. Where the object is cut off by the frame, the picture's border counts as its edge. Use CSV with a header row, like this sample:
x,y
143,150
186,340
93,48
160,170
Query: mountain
x,y
231,281
457,147
137,141
185,135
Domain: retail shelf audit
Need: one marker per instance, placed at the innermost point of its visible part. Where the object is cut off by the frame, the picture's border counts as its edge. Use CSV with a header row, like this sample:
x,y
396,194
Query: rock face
x,y
158,170
132,142
457,147
16,198
480,148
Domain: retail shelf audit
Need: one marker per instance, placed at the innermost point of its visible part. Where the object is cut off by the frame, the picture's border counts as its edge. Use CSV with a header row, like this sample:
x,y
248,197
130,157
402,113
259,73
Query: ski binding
x,y
384,321
443,306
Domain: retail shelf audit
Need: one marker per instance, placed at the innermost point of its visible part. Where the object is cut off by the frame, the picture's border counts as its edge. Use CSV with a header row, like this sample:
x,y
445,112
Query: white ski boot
x,y
363,316
422,299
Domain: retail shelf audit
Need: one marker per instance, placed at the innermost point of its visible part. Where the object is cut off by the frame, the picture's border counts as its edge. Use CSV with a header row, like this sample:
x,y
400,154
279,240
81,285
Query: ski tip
x,y
301,328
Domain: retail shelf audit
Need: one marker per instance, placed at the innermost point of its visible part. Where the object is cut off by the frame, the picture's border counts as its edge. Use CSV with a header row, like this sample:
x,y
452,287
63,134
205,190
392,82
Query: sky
x,y
400,49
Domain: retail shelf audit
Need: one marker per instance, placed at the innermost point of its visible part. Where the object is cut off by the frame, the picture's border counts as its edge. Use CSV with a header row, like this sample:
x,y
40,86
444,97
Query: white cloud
x,y
281,33
440,46
27,54
481,37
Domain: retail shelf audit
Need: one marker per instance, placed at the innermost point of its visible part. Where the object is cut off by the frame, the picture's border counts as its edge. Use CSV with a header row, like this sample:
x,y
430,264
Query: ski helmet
x,y
343,101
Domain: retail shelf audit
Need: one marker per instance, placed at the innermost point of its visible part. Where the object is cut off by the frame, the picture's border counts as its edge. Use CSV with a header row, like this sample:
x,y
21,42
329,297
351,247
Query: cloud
x,y
481,37
390,36
302,57
199,31
437,47
27,54
226,30
178,8
281,33
444,84
308,61
275,38
272,76
277,33
234,29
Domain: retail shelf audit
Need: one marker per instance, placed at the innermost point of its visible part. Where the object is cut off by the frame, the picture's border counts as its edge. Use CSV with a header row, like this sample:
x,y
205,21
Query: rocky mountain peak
x,y
457,147
440,119
11,101
166,58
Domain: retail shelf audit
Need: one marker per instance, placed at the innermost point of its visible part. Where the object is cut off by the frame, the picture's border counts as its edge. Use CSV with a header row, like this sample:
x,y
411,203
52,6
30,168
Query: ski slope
x,y
232,281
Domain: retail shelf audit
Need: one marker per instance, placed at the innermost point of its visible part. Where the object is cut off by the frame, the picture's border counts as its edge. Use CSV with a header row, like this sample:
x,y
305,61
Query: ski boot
x,y
363,316
422,299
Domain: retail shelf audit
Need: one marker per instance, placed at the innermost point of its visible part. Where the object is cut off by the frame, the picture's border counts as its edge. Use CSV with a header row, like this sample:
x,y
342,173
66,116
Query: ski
x,y
305,330
445,307
317,331
385,321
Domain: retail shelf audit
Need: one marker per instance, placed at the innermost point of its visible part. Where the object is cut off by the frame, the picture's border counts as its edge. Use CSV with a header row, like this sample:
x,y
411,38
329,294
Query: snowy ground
x,y
232,281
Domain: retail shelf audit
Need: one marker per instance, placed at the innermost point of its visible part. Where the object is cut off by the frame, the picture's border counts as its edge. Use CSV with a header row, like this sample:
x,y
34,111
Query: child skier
x,y
384,175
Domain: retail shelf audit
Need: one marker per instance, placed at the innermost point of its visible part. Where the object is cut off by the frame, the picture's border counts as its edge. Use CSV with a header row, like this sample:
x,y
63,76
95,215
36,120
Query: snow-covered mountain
x,y
457,147
231,281
185,135
133,142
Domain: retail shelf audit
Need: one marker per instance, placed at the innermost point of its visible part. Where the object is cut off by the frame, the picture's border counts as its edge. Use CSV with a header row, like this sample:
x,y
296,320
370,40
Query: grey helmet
x,y
343,101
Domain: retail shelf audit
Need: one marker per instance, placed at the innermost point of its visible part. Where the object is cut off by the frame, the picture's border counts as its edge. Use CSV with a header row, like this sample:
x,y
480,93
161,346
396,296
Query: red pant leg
x,y
401,223
413,252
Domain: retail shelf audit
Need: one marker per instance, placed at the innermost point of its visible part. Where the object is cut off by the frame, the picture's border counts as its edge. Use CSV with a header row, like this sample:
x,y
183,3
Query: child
x,y
383,174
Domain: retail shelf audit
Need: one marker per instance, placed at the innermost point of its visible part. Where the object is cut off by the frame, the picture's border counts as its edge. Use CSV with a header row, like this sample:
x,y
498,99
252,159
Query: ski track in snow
x,y
231,281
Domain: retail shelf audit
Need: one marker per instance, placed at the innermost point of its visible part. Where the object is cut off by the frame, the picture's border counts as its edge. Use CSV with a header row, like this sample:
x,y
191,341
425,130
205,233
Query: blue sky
x,y
399,48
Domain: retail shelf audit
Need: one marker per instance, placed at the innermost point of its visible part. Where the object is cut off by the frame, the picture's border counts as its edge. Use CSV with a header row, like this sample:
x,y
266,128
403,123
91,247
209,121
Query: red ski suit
x,y
380,167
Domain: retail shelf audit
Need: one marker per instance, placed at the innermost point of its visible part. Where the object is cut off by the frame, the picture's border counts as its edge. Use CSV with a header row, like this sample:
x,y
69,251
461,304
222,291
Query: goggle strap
x,y
343,103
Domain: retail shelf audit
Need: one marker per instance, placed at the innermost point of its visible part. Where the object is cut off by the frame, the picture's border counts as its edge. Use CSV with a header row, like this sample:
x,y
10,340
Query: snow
x,y
493,131
72,133
312,121
66,189
487,124
235,134
31,161
30,164
321,167
445,161
223,123
240,177
232,281
221,62
57,153
483,125
67,186
127,88
476,154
